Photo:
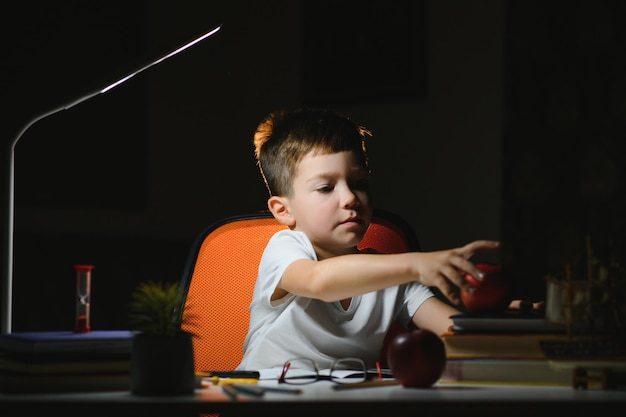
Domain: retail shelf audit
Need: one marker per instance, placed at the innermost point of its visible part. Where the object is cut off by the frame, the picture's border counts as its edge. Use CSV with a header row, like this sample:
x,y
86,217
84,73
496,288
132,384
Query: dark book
x,y
498,345
510,322
67,343
600,347
35,366
505,371
16,383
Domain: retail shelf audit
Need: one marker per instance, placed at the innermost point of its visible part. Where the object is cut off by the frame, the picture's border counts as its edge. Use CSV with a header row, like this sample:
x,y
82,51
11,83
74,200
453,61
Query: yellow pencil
x,y
216,380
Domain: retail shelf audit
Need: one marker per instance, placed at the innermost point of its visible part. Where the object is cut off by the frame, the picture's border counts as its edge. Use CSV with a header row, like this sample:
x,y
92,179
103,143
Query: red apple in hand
x,y
490,295
416,358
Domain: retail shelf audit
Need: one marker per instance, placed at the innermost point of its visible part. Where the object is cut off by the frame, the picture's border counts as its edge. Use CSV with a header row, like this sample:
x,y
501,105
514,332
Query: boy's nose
x,y
349,198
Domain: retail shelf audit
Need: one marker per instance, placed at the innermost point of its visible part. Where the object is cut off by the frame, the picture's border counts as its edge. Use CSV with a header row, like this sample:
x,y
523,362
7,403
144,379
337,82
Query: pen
x,y
248,390
365,384
259,390
231,374
230,392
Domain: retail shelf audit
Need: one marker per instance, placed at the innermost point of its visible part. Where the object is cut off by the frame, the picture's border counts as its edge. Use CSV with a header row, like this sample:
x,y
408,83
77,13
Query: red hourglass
x,y
83,295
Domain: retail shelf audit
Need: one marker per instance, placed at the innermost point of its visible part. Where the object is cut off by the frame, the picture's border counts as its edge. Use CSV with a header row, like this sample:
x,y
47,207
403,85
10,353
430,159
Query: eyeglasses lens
x,y
348,371
301,371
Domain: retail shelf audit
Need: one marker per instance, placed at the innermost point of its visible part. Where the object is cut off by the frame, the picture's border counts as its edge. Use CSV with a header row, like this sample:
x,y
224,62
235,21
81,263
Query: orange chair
x,y
221,271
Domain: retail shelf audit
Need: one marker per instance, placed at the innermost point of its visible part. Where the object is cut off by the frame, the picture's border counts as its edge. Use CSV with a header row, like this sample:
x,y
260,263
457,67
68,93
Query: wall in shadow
x,y
564,156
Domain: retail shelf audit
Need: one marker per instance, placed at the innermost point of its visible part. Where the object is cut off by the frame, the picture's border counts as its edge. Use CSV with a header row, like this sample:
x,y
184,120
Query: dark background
x,y
491,119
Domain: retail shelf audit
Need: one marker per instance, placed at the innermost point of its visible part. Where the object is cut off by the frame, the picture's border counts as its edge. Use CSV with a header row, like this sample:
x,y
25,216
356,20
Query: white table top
x,y
323,397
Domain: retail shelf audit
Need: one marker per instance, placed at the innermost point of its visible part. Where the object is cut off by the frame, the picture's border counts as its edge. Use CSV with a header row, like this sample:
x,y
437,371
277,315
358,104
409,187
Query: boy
x,y
317,295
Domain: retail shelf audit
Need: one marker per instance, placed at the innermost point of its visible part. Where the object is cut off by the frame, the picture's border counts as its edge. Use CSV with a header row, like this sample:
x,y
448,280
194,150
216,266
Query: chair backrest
x,y
221,270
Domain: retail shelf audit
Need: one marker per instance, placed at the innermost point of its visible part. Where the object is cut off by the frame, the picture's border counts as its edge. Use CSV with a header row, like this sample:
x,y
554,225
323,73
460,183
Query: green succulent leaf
x,y
158,308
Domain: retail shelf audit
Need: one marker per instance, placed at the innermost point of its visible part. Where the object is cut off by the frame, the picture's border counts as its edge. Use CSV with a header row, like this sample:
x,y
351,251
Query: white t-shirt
x,y
323,331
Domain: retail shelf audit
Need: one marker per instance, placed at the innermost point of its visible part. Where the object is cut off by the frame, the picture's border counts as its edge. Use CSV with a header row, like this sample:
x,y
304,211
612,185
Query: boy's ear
x,y
279,208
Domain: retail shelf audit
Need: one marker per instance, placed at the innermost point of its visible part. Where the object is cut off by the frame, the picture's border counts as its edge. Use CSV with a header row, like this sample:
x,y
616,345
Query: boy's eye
x,y
325,188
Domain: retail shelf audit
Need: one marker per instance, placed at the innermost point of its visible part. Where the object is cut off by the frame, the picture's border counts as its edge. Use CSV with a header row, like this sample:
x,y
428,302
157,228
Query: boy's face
x,y
331,202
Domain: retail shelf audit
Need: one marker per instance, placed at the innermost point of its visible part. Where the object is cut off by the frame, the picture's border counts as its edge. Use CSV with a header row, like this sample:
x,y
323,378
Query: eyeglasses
x,y
300,371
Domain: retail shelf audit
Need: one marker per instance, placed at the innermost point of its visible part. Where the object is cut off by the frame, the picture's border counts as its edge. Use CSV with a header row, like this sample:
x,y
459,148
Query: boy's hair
x,y
284,138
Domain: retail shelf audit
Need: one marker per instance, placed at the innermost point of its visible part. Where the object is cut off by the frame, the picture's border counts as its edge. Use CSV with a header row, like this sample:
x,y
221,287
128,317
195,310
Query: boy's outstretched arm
x,y
345,276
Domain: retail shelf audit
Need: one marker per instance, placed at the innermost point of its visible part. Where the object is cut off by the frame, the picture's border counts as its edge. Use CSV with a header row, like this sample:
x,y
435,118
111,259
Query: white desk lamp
x,y
7,279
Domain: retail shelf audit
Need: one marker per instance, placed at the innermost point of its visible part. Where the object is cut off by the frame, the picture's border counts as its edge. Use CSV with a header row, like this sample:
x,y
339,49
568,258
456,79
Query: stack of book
x,y
503,349
64,361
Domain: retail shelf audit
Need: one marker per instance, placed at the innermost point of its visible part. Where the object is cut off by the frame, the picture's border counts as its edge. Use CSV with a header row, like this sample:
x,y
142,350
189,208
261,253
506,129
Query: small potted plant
x,y
162,353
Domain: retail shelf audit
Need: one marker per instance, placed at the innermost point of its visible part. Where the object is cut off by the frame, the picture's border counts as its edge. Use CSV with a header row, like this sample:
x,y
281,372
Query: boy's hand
x,y
446,269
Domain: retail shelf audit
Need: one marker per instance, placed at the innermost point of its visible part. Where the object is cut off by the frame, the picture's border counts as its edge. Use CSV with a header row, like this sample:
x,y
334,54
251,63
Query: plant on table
x,y
162,356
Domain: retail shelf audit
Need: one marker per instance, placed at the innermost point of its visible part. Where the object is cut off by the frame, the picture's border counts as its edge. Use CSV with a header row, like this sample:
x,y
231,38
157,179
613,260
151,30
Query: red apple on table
x,y
491,295
417,358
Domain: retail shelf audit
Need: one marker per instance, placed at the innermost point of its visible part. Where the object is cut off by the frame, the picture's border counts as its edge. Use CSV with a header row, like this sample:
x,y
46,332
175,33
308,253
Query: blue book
x,y
62,343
